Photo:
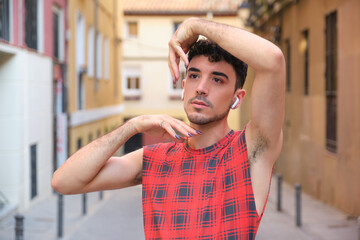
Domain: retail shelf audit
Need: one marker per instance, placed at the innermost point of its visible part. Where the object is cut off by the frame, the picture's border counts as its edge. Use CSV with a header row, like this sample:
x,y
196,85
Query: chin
x,y
200,119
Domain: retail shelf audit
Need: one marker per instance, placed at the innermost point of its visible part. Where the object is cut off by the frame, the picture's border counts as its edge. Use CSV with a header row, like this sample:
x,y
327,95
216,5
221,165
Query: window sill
x,y
132,97
175,97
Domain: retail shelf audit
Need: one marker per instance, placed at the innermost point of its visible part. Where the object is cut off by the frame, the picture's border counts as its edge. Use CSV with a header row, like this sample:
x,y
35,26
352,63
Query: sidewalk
x,y
119,216
319,221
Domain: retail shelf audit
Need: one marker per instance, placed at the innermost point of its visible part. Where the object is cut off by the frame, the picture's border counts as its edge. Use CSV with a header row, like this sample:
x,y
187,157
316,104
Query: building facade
x,y
146,80
94,97
32,41
321,131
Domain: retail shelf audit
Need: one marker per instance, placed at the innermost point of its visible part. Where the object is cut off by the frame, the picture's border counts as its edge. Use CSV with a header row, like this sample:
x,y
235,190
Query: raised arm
x,y
268,91
92,168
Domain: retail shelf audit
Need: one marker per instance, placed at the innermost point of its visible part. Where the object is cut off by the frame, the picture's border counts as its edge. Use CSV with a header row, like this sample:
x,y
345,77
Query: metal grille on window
x,y
4,20
31,23
331,82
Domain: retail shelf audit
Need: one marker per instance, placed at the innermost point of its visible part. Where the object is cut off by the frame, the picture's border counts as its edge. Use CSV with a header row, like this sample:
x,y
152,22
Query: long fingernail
x,y
198,132
190,135
177,136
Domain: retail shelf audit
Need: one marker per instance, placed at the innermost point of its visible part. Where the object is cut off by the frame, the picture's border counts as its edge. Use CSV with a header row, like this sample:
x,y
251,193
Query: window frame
x,y
99,56
9,23
61,35
90,51
331,80
134,72
128,28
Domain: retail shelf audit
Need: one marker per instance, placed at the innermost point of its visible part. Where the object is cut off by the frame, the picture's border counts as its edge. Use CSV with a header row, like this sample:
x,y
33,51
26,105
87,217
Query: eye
x,y
193,76
217,80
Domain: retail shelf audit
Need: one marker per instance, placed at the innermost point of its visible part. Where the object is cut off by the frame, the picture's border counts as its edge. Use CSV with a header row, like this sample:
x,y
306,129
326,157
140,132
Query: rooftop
x,y
180,7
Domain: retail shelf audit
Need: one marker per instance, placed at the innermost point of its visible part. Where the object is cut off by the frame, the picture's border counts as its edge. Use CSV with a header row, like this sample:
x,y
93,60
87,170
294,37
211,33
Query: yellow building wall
x,y
108,91
331,177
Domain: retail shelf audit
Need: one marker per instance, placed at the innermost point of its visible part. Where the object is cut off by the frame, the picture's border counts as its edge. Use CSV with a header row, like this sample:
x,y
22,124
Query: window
x,y
106,59
33,170
58,33
176,25
331,81
90,138
132,82
288,65
132,29
90,52
31,19
175,90
79,143
305,41
98,56
56,21
5,20
134,143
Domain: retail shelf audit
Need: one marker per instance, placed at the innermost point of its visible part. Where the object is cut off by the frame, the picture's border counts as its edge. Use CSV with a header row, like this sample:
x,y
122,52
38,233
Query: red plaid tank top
x,y
199,194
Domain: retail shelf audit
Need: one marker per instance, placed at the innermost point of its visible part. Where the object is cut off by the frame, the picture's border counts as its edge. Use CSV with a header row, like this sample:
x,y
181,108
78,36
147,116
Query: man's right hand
x,y
163,126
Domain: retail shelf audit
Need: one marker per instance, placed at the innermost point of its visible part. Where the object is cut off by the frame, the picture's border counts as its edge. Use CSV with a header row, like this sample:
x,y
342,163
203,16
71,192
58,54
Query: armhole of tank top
x,y
258,217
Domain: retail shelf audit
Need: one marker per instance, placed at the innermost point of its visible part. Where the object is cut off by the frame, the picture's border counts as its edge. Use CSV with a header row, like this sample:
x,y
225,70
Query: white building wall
x,y
25,119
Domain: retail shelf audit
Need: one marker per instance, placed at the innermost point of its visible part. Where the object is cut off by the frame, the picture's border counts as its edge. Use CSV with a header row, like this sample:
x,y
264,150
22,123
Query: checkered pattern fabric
x,y
199,194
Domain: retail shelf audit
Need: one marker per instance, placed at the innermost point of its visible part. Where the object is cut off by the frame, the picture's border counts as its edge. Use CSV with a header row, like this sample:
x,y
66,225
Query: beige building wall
x,y
331,177
148,52
100,108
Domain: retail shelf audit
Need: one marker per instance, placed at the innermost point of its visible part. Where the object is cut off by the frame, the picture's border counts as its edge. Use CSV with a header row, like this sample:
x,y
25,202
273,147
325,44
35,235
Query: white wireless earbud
x,y
235,103
182,95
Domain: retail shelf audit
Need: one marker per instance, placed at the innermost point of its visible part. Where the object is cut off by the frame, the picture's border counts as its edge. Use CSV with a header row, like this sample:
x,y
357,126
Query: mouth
x,y
199,104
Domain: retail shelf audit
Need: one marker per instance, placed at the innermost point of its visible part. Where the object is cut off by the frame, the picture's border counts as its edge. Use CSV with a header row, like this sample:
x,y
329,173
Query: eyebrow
x,y
192,69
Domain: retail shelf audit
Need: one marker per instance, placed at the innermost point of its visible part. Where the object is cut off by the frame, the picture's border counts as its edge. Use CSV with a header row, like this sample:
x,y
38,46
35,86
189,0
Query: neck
x,y
211,134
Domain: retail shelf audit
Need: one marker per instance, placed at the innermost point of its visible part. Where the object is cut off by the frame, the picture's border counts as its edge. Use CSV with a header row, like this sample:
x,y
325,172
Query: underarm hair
x,y
138,179
261,144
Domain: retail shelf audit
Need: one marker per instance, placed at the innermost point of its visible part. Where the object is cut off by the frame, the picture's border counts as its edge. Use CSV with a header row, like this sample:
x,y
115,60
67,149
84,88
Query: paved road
x,y
119,216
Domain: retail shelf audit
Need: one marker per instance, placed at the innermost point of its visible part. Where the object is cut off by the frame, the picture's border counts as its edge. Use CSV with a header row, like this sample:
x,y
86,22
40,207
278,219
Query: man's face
x,y
208,90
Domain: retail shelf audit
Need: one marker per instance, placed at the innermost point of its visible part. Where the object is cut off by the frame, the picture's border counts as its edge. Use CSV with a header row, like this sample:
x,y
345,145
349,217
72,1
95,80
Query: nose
x,y
201,88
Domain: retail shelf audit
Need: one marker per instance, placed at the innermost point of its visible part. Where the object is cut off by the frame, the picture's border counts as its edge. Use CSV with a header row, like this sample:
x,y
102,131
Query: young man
x,y
210,182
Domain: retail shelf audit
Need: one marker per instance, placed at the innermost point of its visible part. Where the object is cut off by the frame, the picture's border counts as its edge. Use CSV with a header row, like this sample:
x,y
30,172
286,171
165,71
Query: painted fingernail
x,y
185,65
190,135
198,132
177,136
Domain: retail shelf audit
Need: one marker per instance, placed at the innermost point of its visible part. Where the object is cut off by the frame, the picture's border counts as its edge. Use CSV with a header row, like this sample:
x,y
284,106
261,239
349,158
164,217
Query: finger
x,y
171,132
174,65
182,54
171,59
187,130
182,127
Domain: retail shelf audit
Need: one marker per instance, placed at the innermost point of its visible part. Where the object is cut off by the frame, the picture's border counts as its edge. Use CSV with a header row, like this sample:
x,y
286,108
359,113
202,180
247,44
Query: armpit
x,y
138,179
261,144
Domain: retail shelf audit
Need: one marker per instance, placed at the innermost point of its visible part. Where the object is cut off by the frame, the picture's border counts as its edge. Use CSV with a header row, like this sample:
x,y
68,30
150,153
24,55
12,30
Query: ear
x,y
239,95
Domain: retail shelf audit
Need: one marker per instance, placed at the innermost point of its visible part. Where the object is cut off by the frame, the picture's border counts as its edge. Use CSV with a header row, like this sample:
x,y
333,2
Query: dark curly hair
x,y
215,54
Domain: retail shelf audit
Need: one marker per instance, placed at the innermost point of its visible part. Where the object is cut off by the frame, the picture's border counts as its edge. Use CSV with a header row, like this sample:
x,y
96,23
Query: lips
x,y
199,104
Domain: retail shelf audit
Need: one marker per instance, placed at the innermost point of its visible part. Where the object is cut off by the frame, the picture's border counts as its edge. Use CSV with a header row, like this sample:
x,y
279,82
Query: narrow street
x,y
119,216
